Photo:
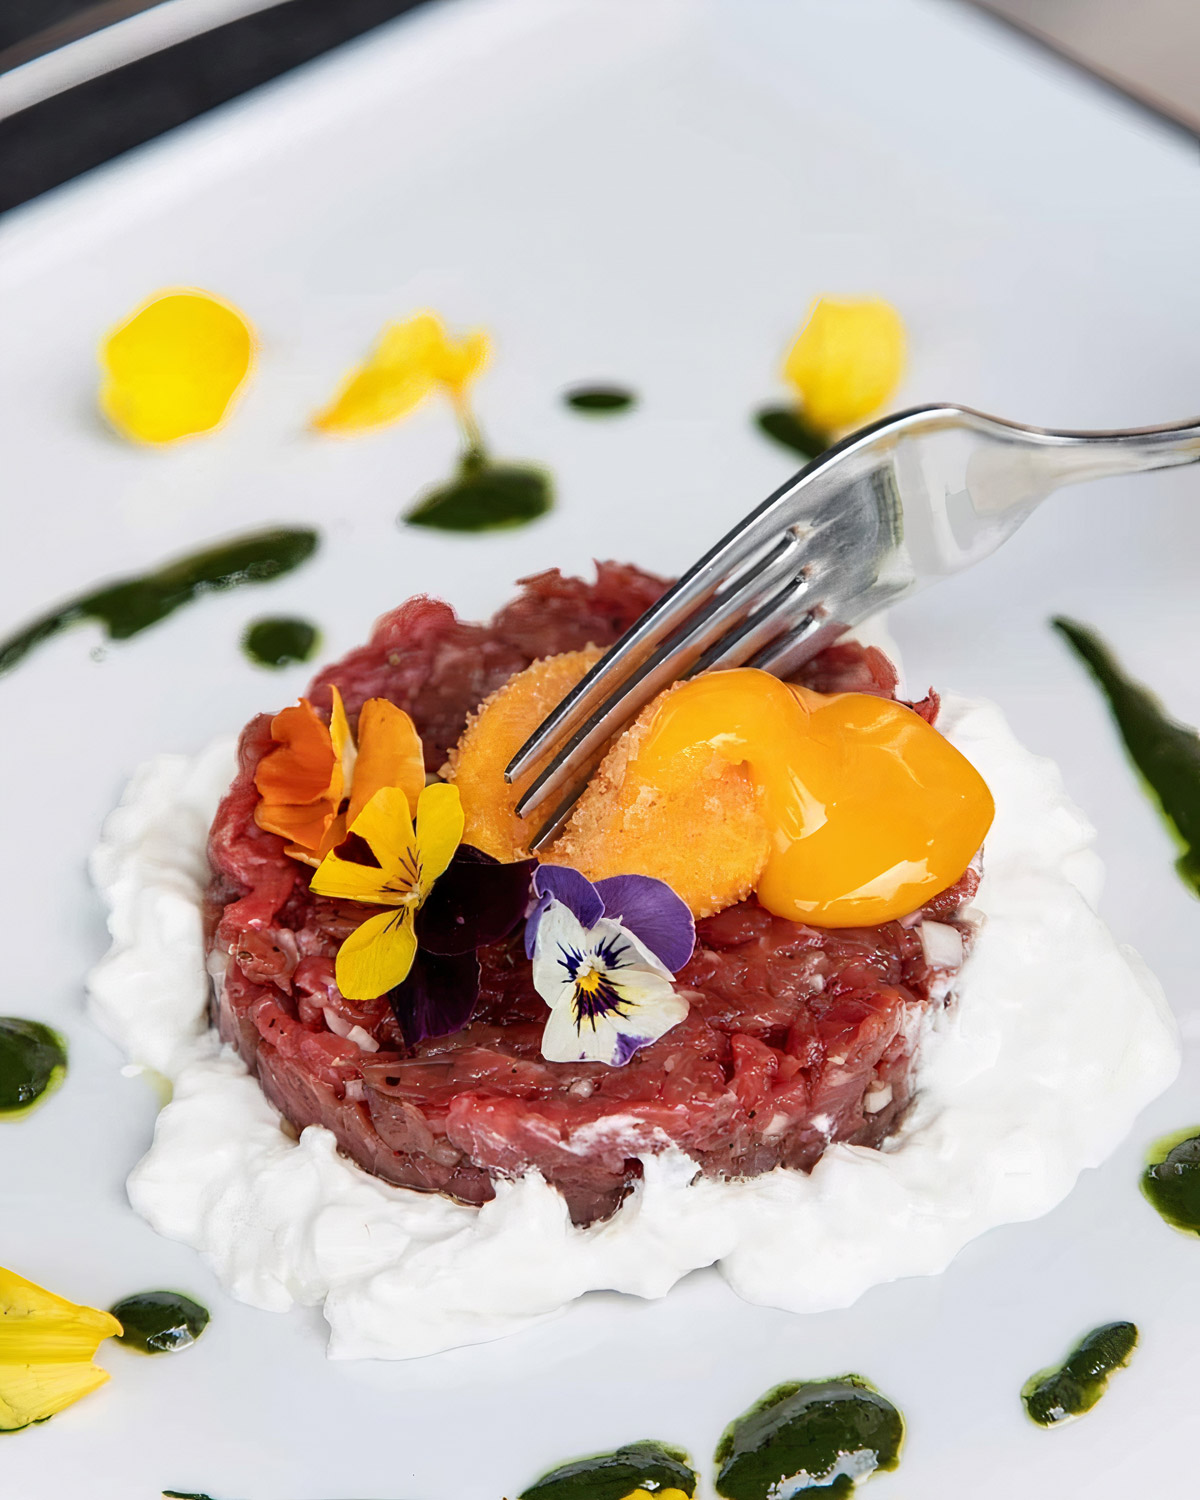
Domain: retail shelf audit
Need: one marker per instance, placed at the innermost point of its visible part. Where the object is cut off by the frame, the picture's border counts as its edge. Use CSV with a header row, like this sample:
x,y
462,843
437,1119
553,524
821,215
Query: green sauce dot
x,y
33,1062
1171,1181
280,640
600,400
789,429
159,1322
1056,1395
613,1476
809,1438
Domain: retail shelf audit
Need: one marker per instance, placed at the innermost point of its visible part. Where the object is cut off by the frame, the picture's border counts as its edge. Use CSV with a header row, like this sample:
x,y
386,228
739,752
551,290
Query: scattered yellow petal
x,y
846,361
457,364
46,1350
173,368
409,361
377,955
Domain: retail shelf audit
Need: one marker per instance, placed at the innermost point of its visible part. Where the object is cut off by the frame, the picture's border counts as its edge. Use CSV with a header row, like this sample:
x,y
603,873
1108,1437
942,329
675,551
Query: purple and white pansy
x,y
604,957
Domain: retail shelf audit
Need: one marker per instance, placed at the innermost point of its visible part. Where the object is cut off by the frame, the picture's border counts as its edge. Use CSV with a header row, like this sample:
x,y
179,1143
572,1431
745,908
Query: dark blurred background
x,y
83,80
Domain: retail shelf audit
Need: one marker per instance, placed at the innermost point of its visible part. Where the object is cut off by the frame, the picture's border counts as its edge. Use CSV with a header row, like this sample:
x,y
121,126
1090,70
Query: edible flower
x,y
378,955
407,363
476,902
317,780
604,956
46,1349
846,361
173,368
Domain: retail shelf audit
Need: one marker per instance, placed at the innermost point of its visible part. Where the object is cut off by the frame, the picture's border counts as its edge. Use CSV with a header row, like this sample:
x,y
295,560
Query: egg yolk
x,y
872,812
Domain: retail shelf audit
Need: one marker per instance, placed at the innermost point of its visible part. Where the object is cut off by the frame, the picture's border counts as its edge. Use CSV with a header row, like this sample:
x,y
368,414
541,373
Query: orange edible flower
x,y
316,781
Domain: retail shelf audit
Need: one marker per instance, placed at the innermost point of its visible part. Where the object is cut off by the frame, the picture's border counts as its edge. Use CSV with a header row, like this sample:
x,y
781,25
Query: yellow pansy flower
x,y
846,361
173,368
378,955
408,362
46,1350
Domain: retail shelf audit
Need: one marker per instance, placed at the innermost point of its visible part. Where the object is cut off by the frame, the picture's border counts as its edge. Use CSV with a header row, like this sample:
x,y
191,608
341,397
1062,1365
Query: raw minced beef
x,y
796,1036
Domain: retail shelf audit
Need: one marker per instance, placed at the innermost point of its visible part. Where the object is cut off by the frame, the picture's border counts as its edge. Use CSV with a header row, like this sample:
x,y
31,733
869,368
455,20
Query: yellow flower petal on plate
x,y
46,1349
393,380
33,1392
459,361
439,830
846,361
407,362
173,368
377,955
389,754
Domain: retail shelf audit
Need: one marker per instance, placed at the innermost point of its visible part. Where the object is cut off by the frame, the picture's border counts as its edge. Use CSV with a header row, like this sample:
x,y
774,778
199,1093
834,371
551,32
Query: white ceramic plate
x,y
650,193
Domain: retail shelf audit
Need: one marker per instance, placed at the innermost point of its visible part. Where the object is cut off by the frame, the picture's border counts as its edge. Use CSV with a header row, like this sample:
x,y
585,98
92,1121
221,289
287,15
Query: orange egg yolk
x,y
871,811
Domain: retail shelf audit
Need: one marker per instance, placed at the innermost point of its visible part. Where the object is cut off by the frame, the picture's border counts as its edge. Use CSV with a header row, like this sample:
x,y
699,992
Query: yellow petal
x,y
343,880
439,830
459,361
343,744
24,1304
173,368
846,361
377,955
387,825
33,1392
393,380
46,1348
389,754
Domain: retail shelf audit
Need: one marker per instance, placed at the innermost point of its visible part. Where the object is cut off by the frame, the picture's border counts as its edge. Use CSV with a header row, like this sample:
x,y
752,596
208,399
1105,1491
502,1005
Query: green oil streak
x,y
612,1476
33,1062
600,400
280,640
814,1438
1057,1395
1171,1181
131,605
485,496
1165,753
788,428
159,1322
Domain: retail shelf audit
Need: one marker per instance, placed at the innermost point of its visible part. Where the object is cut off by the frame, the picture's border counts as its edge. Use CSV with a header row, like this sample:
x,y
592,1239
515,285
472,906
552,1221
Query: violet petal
x,y
652,911
476,901
437,997
575,891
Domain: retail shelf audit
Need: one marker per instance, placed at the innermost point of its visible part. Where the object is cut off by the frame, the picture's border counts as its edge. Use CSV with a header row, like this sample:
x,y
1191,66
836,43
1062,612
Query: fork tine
x,y
694,590
757,632
703,630
577,762
706,629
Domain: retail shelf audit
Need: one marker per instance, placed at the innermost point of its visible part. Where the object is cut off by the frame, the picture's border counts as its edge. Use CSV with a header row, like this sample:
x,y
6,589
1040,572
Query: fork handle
x,y
1071,457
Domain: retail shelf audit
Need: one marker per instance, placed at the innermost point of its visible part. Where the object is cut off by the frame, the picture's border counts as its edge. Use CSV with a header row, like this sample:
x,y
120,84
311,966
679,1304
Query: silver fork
x,y
901,503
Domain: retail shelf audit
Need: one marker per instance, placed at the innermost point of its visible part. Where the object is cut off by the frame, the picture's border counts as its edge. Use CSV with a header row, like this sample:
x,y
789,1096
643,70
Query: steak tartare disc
x,y
1056,1040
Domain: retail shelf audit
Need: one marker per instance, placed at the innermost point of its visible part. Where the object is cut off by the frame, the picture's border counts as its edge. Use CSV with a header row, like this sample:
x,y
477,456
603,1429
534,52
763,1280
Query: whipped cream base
x,y
1058,1037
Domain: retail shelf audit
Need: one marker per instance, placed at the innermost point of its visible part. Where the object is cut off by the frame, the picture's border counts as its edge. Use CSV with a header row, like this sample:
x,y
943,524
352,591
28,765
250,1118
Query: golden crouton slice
x,y
493,736
697,825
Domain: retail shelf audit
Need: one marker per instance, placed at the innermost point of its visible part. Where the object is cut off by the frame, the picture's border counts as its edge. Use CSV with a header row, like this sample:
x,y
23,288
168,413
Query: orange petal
x,y
306,825
389,754
304,766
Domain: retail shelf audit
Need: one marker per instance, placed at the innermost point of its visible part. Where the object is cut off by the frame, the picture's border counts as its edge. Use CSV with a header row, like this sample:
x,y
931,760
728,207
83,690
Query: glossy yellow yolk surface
x,y
872,812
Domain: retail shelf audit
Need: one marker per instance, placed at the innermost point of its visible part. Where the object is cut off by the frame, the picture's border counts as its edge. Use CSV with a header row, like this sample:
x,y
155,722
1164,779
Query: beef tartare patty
x,y
796,1036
